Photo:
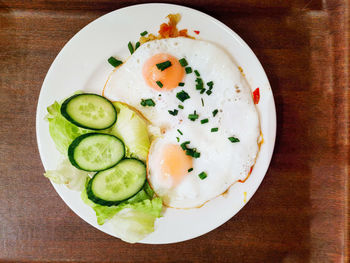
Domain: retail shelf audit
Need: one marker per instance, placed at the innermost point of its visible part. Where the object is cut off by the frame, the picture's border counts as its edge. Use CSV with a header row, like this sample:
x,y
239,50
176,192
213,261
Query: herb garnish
x,y
183,62
233,139
202,175
114,62
147,102
188,70
182,95
193,116
131,48
204,121
174,112
164,65
160,84
144,33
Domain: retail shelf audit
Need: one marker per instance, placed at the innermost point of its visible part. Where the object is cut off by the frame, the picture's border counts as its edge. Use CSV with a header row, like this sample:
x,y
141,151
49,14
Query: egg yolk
x,y
169,77
175,163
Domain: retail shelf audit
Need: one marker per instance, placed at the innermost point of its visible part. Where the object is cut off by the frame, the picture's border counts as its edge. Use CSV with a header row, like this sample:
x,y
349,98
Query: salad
x,y
104,147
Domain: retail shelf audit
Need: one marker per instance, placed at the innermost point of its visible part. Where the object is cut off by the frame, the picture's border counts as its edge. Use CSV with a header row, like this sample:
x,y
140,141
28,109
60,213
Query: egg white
x,y
223,161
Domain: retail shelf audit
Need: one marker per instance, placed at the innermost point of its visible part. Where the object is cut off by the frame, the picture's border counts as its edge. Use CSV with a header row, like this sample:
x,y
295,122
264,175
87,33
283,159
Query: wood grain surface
x,y
300,212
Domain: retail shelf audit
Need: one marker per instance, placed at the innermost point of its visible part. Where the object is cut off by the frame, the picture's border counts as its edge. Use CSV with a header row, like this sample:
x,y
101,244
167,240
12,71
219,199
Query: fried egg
x,y
208,142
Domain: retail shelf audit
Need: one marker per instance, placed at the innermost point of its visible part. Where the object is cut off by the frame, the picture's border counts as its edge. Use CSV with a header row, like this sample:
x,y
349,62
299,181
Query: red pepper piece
x,y
256,96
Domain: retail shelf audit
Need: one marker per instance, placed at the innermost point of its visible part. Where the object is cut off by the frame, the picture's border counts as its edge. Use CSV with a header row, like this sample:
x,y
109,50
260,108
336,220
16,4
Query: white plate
x,y
82,65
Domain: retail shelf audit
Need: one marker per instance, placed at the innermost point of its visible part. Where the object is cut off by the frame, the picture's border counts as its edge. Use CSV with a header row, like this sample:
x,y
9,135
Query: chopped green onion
x,y
202,102
144,33
178,139
193,116
190,170
164,65
147,102
137,45
193,153
131,48
202,91
202,175
160,84
199,80
174,112
114,62
184,145
181,84
183,62
182,95
209,92
197,73
215,112
233,139
196,154
179,131
210,84
188,70
199,86
181,107
204,121
189,151
214,129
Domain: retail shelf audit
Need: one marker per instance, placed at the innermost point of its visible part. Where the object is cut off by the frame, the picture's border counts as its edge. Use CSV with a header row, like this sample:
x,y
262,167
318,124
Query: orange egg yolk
x,y
175,163
169,77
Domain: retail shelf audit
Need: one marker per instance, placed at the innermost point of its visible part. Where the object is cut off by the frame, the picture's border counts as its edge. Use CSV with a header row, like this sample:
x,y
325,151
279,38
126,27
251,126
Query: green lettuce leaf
x,y
135,223
132,129
67,174
62,131
133,219
104,213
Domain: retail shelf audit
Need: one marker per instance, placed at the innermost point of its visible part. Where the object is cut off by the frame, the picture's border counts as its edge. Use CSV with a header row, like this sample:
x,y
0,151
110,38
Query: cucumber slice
x,y
112,186
96,151
89,111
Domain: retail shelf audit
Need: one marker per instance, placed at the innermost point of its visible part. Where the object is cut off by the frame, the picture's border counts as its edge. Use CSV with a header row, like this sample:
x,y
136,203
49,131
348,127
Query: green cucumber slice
x,y
89,111
96,151
117,184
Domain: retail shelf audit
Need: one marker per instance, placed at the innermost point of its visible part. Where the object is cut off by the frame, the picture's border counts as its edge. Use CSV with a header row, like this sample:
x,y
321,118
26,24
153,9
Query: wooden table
x,y
299,214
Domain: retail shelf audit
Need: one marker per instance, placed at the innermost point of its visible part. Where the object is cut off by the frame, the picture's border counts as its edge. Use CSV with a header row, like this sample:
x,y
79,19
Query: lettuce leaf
x,y
135,223
67,174
61,130
104,213
133,219
132,129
